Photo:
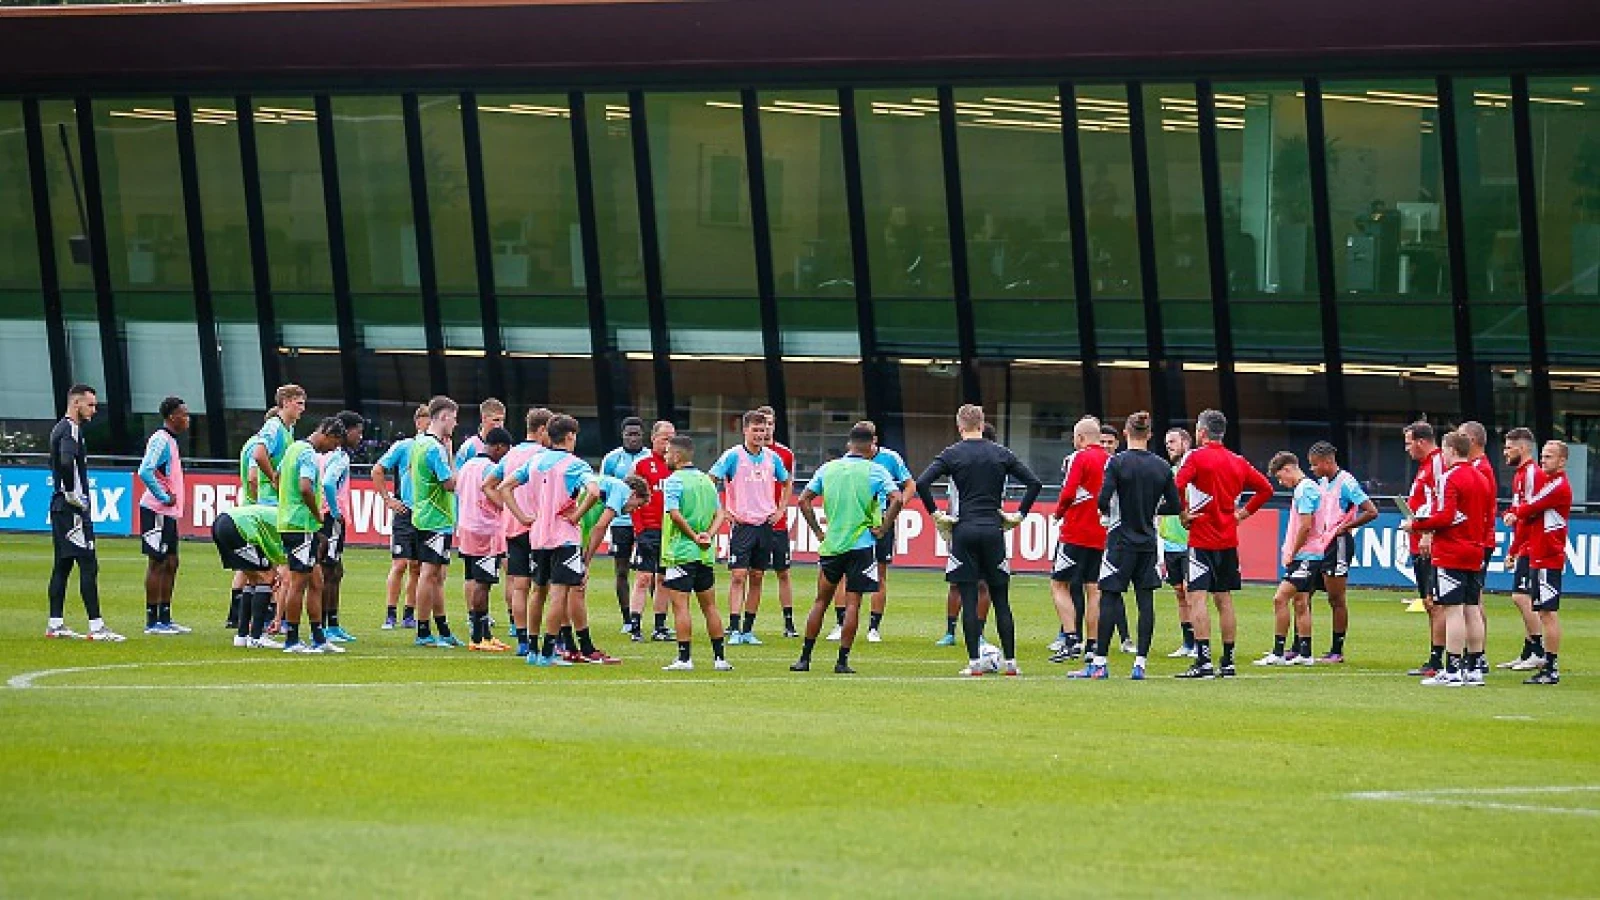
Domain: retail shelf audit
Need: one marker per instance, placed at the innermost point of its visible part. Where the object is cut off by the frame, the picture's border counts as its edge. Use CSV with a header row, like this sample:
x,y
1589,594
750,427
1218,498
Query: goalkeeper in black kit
x,y
1138,487
977,469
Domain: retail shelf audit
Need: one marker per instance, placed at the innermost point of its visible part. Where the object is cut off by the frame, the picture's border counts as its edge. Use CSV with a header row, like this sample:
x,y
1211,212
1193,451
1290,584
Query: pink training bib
x,y
509,463
1329,517
550,530
748,492
478,531
171,481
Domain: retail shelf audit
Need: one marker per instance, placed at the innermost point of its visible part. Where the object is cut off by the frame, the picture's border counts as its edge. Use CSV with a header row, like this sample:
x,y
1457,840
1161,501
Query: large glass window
x,y
1177,207
616,201
1107,170
713,395
908,235
812,262
1019,249
930,393
1491,220
227,236
1034,405
27,407
148,250
824,401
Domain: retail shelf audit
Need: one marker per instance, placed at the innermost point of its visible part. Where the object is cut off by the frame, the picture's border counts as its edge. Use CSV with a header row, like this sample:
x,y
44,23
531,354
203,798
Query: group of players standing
x,y
1129,520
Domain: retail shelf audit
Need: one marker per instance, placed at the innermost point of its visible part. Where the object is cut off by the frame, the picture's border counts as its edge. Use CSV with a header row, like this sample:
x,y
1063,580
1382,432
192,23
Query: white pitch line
x,y
1465,798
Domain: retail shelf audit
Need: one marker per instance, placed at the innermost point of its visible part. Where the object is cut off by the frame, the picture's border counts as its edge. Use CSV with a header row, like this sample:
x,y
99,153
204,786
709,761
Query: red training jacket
x,y
1462,499
1211,479
1546,513
1077,509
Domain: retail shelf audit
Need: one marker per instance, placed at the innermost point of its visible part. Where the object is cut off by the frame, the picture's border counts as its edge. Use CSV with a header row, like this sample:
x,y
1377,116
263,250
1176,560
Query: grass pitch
x,y
177,766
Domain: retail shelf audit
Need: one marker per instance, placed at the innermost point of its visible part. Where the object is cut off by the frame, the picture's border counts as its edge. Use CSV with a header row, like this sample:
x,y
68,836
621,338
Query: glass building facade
x,y
1321,258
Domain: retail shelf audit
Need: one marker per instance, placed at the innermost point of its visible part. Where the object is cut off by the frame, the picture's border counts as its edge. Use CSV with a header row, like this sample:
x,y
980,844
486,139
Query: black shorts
x,y
519,557
237,554
1305,575
977,553
689,577
858,568
301,548
333,542
883,550
481,569
647,551
158,534
750,547
1422,571
781,557
1336,559
71,531
1076,564
403,538
1177,567
433,547
622,543
1214,571
559,565
1124,567
1544,586
1458,587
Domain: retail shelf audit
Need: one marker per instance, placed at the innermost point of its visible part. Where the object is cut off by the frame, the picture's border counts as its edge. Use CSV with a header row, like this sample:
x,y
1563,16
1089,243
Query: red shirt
x,y
1211,479
1525,481
653,469
1486,469
1077,509
787,455
1421,499
1545,512
1462,502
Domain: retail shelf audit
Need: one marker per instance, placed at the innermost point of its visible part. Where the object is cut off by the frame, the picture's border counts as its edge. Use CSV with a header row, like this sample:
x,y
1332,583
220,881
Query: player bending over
x,y
247,542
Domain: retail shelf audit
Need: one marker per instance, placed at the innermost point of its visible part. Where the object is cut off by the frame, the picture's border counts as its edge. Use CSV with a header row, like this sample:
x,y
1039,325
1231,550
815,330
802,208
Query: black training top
x,y
978,470
1137,488
69,462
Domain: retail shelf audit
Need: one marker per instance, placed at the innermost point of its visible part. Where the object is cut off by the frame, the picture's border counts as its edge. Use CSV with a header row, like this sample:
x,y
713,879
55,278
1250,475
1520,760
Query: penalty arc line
x,y
1464,798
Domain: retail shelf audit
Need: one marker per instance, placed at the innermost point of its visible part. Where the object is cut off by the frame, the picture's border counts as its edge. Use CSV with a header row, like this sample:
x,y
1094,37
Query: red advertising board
x,y
917,542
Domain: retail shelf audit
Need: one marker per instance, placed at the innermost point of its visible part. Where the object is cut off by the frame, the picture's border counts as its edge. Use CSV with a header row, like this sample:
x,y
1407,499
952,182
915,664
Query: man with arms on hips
x,y
781,556
1304,546
619,464
647,522
1137,486
1460,496
906,484
746,474
1175,546
952,596
396,464
300,518
519,553
480,538
1480,461
854,490
1080,543
1212,479
72,520
247,541
979,468
1549,509
692,518
433,515
1354,509
335,468
1527,479
160,508
1421,446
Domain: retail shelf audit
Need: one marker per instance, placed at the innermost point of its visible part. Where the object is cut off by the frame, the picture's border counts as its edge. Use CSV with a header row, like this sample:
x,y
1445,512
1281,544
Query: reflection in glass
x,y
1107,166
26,406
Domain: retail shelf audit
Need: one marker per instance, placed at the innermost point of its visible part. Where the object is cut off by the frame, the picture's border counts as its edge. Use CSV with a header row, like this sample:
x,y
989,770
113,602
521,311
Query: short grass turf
x,y
177,766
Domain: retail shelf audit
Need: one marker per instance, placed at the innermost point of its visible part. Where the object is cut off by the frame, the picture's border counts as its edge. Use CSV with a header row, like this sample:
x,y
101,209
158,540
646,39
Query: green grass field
x,y
178,766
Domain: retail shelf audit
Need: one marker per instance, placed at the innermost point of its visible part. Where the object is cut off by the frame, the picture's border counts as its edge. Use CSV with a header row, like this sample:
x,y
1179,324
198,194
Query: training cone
x,y
1416,606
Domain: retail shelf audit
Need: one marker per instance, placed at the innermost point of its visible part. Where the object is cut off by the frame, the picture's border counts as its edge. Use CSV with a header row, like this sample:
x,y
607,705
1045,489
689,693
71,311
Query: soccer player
x,y
619,464
1527,480
248,544
249,492
396,464
519,555
692,518
781,555
1421,446
1480,461
1080,543
1175,546
746,474
1549,509
952,596
274,438
161,471
854,490
1355,509
1108,439
647,522
618,498
1302,559
72,520
1137,485
557,477
433,516
334,467
978,468
905,483
300,525
1212,479
1461,495
491,415
480,536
